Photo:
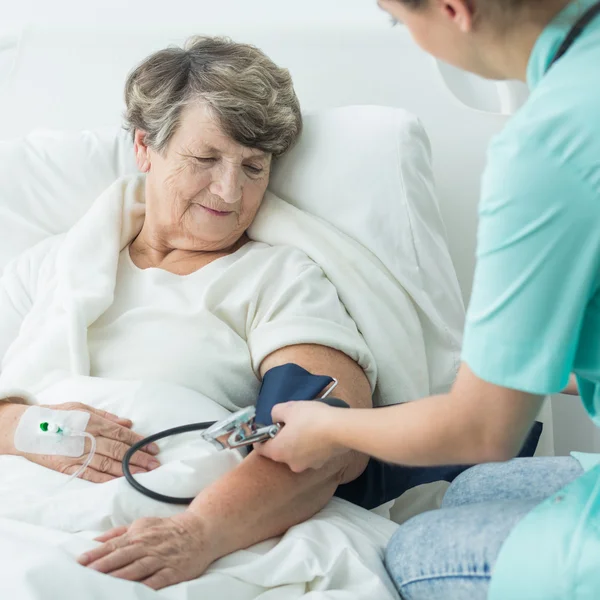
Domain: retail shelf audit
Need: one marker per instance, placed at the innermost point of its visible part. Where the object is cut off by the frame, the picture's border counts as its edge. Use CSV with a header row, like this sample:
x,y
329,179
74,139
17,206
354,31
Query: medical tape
x,y
47,431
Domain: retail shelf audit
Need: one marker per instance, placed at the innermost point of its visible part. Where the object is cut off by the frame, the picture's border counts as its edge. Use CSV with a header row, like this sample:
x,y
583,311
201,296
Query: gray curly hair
x,y
252,97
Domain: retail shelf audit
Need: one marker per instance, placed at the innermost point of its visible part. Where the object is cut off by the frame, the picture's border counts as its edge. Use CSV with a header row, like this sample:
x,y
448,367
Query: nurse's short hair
x,y
500,9
252,97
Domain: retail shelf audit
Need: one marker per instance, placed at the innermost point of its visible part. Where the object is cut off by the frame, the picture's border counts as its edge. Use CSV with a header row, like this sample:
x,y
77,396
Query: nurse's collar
x,y
551,38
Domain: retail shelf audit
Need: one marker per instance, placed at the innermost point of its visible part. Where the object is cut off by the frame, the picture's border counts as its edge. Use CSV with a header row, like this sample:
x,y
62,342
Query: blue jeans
x,y
449,554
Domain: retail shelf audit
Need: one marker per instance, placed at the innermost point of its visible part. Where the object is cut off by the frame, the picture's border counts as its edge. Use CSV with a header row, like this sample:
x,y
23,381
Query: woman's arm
x,y
10,413
260,498
476,422
256,501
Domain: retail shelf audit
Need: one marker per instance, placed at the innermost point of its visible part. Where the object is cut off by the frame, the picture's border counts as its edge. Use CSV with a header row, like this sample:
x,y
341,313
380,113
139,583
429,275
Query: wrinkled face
x,y
444,29
204,190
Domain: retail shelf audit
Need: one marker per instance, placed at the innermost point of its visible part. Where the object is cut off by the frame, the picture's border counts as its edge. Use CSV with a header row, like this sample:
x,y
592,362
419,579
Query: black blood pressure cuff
x,y
380,482
284,384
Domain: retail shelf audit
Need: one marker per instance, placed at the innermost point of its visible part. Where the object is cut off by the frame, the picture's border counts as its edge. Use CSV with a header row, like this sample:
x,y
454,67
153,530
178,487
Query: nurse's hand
x,y
156,552
306,440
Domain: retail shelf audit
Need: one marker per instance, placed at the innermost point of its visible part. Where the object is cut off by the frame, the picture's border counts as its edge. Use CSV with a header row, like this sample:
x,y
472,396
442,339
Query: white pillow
x,y
367,170
364,169
49,179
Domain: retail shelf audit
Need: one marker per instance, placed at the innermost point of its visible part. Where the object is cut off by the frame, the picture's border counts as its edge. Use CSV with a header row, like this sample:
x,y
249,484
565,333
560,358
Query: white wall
x,y
161,12
575,430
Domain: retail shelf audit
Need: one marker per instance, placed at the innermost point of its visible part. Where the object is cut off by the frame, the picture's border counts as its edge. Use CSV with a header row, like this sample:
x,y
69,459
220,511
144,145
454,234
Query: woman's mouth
x,y
217,213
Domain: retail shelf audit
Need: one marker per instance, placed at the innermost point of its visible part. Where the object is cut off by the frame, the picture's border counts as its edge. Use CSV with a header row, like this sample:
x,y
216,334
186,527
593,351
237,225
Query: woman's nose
x,y
228,185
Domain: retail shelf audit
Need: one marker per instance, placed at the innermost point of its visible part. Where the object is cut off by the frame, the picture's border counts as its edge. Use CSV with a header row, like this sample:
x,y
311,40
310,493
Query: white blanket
x,y
337,554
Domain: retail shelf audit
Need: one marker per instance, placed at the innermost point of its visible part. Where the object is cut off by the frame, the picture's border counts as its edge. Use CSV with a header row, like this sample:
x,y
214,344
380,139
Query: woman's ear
x,y
142,151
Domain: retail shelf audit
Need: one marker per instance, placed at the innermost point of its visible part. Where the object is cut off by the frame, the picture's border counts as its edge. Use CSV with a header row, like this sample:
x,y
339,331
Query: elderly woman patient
x,y
207,122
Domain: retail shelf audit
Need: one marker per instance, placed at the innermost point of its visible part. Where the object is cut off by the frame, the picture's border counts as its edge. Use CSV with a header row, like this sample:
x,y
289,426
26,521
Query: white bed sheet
x,y
338,554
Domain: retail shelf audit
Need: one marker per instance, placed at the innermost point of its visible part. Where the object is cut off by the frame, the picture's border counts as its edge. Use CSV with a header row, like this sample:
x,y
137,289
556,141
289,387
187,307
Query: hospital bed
x,y
68,80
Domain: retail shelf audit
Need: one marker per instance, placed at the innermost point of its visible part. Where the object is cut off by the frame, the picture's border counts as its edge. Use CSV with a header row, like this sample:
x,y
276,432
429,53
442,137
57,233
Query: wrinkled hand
x,y
305,441
156,552
113,439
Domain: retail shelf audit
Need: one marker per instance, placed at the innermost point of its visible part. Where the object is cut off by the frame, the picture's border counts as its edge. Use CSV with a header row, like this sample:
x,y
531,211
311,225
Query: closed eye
x,y
253,169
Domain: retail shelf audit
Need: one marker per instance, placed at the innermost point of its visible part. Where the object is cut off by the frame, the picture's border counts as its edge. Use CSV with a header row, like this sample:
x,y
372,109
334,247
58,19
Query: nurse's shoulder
x,y
560,122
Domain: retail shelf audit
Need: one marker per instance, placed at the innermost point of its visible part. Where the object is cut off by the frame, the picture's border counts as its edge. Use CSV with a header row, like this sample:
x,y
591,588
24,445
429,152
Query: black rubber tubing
x,y
335,402
153,438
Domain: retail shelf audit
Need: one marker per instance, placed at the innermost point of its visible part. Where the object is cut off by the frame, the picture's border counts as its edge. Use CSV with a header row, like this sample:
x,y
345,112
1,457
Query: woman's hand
x,y
113,439
305,442
157,552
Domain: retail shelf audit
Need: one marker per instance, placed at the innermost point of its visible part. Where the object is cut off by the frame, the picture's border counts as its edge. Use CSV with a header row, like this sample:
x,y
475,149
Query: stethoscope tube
x,y
334,402
586,18
153,438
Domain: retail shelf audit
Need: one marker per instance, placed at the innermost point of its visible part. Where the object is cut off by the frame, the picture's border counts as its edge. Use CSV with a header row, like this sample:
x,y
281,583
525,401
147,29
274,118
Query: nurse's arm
x,y
476,422
572,388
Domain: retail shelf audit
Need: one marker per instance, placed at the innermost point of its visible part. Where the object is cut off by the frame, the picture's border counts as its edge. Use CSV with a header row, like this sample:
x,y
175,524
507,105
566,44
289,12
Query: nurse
x,y
527,528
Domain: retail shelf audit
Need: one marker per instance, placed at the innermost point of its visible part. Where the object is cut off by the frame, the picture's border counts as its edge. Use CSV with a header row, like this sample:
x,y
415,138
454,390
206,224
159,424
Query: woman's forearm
x,y
10,413
261,499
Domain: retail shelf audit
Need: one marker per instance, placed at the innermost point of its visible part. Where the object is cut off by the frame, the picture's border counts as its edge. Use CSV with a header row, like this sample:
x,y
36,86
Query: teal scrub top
x,y
534,315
